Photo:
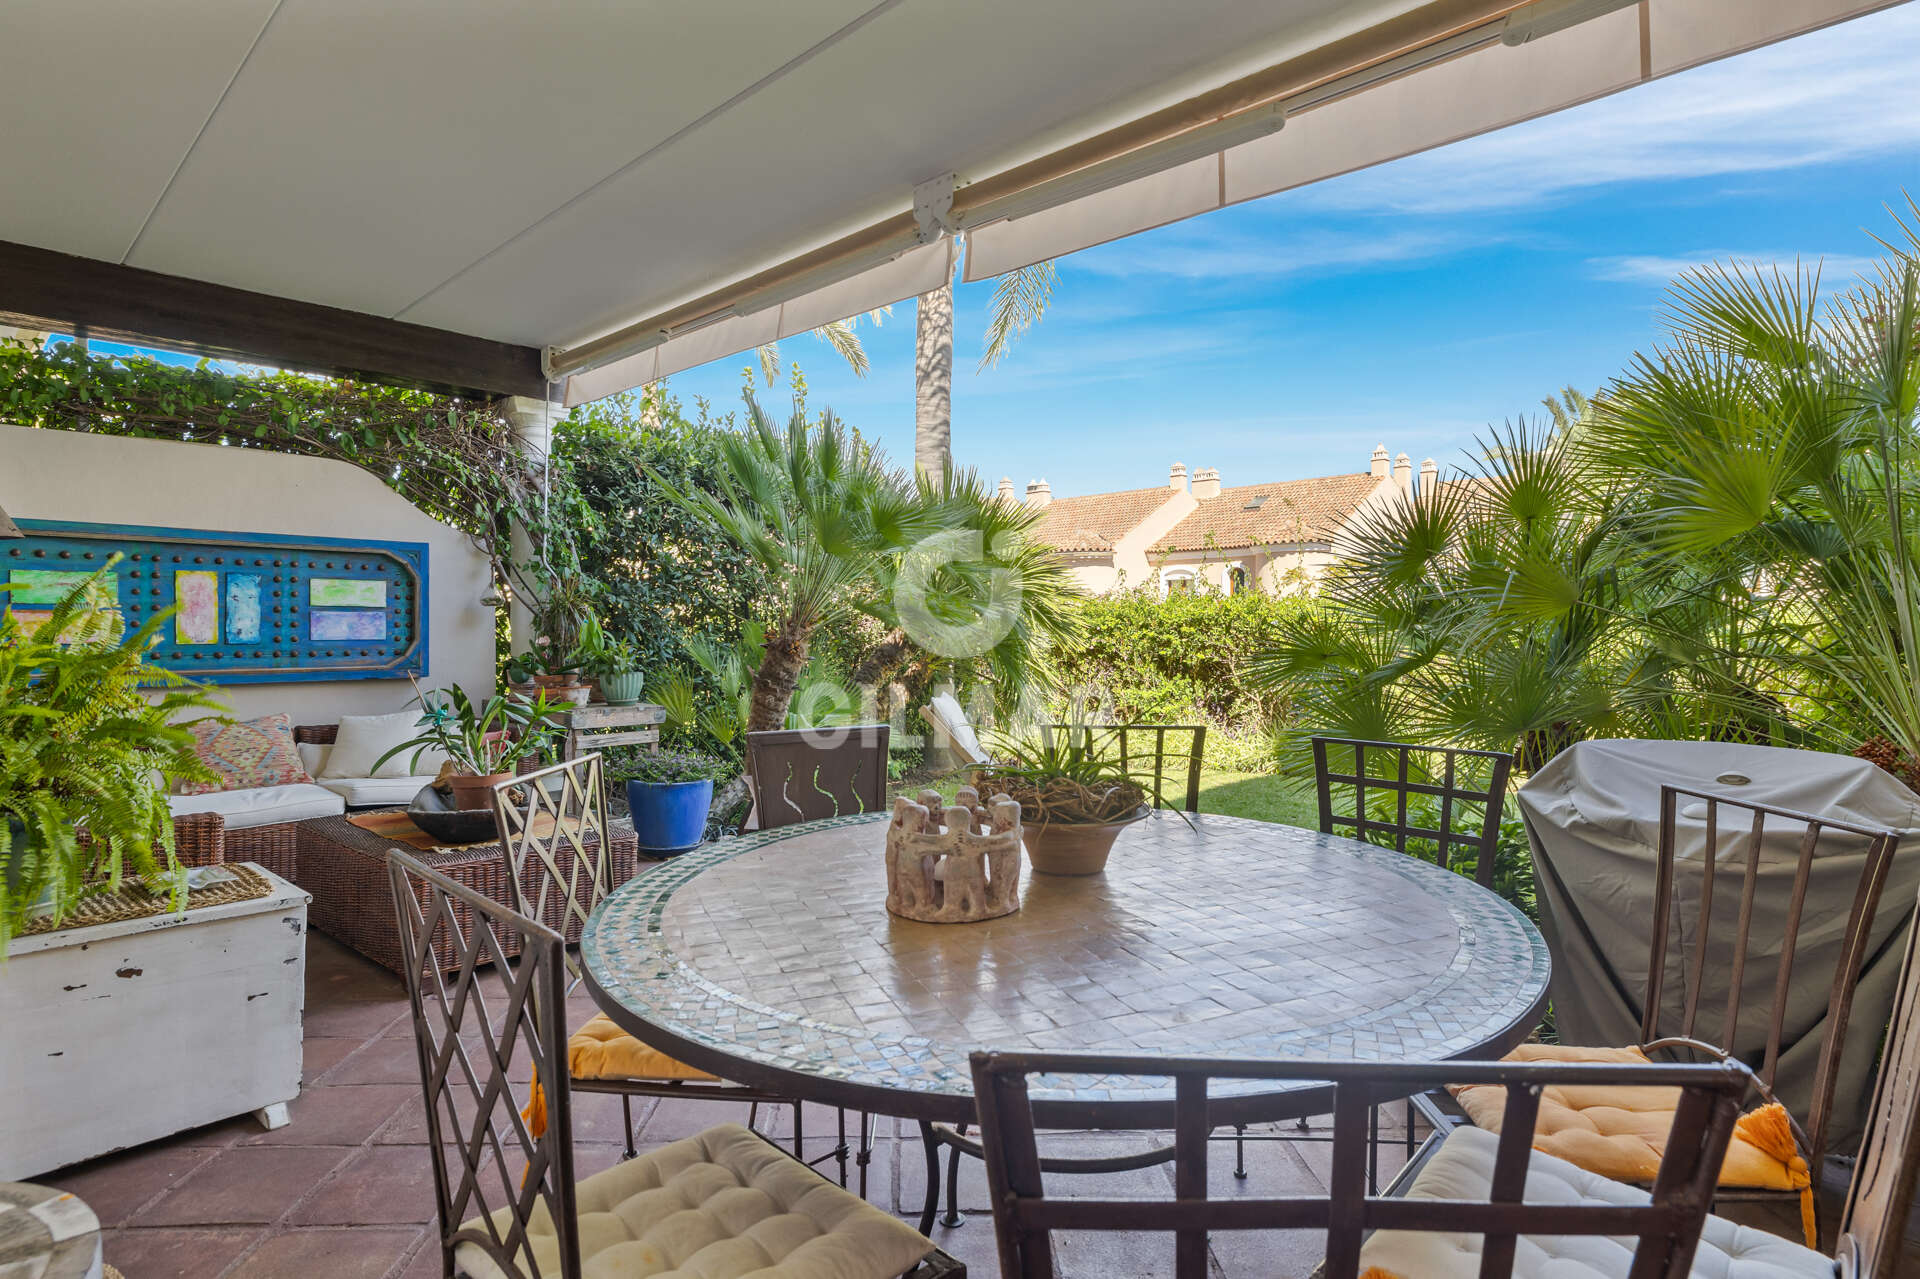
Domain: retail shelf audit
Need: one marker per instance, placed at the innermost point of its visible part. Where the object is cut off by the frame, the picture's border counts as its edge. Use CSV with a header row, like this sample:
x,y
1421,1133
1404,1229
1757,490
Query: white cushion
x,y
262,805
363,739
718,1205
947,717
313,757
1463,1169
363,792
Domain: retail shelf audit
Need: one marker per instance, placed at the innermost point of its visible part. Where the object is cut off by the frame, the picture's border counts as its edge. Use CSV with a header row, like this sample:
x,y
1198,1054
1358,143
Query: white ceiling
x,y
543,173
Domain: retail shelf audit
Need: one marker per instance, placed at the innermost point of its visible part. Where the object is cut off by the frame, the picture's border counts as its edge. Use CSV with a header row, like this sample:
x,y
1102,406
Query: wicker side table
x,y
345,868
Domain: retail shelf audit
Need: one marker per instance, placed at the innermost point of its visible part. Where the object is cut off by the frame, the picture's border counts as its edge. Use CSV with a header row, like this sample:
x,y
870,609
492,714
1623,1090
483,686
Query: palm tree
x,y
1020,299
1774,435
842,335
840,531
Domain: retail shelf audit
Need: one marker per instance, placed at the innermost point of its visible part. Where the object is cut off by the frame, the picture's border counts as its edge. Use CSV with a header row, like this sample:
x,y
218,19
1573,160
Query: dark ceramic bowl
x,y
432,811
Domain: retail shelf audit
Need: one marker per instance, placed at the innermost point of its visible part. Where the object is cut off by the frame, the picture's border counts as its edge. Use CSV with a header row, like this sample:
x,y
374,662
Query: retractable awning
x,y
505,197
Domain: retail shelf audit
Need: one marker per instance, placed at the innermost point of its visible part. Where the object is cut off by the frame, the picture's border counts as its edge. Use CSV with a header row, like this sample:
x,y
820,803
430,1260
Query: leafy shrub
x,y
1183,659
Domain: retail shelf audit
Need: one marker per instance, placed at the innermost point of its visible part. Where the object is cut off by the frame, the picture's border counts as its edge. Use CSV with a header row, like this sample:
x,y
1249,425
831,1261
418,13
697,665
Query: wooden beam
x,y
43,289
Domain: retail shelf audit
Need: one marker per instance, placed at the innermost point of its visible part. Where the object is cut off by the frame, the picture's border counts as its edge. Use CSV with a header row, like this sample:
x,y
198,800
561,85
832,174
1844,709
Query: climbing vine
x,y
455,459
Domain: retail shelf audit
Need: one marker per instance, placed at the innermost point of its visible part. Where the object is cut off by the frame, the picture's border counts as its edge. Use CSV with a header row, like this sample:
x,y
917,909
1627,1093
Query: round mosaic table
x,y
771,960
47,1234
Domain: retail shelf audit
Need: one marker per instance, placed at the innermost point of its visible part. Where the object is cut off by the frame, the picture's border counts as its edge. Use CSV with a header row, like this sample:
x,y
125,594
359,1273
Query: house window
x,y
1180,582
1237,580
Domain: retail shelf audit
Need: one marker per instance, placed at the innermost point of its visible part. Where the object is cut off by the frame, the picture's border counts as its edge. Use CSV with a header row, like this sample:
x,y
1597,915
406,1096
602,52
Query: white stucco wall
x,y
71,475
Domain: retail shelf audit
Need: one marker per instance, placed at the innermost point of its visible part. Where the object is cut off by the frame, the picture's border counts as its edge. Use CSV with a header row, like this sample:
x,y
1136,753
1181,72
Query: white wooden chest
x,y
118,1034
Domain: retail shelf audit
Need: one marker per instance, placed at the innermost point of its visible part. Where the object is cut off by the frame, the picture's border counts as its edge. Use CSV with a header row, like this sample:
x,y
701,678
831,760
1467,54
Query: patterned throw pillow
x,y
246,753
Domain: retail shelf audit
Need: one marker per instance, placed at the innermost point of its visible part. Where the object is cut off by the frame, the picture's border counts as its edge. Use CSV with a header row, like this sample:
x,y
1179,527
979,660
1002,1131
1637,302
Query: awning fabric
x,y
912,273
1476,92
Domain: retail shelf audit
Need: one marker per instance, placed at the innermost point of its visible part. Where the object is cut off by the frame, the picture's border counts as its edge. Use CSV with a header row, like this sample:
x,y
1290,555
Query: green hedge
x,y
1181,659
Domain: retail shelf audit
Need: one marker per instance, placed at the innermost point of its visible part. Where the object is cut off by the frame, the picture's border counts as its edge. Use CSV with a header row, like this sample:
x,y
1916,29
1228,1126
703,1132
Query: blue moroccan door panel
x,y
254,608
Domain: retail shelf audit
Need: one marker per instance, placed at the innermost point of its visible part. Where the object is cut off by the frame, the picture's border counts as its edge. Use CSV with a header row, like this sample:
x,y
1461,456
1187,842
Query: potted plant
x,y
87,751
669,793
519,673
556,674
612,664
485,742
1074,800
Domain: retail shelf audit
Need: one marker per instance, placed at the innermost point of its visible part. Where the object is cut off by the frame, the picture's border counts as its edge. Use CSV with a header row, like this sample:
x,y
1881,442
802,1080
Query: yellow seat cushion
x,y
601,1050
1622,1132
719,1205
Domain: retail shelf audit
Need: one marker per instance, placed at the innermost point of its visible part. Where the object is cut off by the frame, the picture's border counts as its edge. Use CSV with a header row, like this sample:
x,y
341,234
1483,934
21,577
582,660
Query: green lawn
x,y
1260,796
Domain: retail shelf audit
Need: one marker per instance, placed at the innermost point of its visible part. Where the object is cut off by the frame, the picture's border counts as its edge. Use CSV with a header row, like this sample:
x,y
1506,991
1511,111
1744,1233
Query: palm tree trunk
x,y
933,381
777,678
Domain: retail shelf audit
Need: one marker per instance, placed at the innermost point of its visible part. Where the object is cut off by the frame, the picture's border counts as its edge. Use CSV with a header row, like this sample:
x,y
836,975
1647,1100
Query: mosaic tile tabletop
x,y
1224,938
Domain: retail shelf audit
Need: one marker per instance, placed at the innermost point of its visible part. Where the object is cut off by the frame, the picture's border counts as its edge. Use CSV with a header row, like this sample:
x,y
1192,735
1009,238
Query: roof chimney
x,y
1039,493
1206,483
1177,477
1429,478
1403,473
1006,489
1380,464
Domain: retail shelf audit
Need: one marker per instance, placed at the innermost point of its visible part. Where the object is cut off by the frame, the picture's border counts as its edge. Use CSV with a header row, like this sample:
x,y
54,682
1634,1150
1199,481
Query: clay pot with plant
x,y
1075,797
485,742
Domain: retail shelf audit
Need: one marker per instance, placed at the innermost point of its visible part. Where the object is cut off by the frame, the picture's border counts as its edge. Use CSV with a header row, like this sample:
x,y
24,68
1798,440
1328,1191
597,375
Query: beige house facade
x,y
1194,529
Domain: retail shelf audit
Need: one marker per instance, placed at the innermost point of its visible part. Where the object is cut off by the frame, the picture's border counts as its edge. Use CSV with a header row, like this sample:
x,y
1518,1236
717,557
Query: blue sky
x,y
1415,302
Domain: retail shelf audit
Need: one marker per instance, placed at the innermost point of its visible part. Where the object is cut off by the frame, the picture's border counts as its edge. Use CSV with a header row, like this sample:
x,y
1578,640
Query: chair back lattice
x,y
805,774
1873,1227
1135,745
1667,1228
553,834
481,1036
1467,787
1709,949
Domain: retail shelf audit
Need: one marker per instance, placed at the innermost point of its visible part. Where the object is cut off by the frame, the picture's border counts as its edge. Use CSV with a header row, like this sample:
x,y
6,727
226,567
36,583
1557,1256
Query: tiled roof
x,y
1291,511
1098,520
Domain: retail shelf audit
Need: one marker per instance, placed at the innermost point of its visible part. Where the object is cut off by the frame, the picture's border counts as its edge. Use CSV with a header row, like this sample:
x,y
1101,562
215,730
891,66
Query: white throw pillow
x,y
363,739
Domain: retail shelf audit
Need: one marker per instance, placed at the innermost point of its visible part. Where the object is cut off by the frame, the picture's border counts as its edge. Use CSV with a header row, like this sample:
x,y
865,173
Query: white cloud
x,y
1837,270
1204,251
1844,93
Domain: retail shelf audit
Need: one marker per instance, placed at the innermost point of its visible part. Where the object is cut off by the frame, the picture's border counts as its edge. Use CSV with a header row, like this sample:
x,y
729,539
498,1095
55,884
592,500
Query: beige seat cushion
x,y
262,805
1622,1132
720,1205
601,1050
1463,1169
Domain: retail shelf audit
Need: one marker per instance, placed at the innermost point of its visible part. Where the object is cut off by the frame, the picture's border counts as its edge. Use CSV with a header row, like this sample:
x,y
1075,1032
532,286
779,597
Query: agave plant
x,y
1063,778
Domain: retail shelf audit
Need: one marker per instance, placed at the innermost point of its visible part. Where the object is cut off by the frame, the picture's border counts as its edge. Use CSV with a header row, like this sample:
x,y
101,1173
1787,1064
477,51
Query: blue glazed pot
x,y
669,817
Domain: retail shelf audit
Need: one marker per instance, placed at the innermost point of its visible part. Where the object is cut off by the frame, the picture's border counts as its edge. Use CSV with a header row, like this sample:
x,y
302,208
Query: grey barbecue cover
x,y
1593,818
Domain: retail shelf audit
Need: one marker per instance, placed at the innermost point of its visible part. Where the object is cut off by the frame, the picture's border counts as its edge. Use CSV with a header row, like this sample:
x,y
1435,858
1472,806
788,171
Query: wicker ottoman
x,y
345,869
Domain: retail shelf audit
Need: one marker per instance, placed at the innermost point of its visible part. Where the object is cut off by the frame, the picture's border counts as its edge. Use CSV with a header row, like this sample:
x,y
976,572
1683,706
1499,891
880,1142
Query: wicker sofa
x,y
262,825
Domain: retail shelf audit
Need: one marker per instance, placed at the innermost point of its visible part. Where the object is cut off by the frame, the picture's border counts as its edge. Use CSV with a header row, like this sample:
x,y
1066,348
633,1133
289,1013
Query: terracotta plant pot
x,y
471,792
1074,848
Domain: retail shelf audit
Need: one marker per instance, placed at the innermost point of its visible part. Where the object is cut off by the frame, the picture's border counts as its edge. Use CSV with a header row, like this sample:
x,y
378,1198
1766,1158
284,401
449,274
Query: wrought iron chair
x,y
1128,743
553,833
1669,1025
805,774
504,1180
1667,1225
1468,786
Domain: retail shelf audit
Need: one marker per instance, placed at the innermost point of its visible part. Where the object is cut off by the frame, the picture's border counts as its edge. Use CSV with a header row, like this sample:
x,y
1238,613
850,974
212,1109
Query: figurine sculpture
x,y
953,865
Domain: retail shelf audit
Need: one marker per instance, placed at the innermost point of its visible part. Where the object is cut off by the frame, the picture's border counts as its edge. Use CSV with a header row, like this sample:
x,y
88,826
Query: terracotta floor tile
x,y
117,1186
381,1185
343,1115
381,1061
354,1019
338,1254
242,1185
318,1056
194,1253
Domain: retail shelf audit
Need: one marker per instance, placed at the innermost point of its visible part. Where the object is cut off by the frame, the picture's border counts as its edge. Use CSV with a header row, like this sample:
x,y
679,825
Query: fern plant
x,y
87,756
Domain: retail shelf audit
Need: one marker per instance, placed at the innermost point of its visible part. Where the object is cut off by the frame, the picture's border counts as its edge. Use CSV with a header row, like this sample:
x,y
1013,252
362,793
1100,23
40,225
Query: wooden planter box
x,y
124,1033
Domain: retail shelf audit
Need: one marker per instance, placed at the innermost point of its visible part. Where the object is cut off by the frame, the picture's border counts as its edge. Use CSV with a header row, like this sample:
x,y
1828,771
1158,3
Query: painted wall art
x,y
249,607
243,608
346,624
198,596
